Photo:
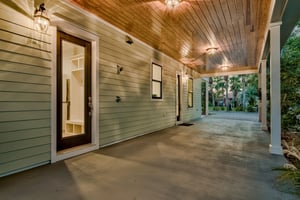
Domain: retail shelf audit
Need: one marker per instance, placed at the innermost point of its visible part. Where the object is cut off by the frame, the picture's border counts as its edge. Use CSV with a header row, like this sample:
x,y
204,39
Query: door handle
x,y
90,104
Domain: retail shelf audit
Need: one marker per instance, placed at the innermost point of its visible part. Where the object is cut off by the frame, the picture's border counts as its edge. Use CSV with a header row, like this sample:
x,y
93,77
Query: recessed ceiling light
x,y
211,50
172,3
224,67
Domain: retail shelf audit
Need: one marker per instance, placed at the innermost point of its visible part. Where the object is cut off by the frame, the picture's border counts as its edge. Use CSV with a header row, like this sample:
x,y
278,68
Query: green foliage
x,y
290,82
252,90
244,90
239,108
289,180
250,108
217,108
291,119
235,87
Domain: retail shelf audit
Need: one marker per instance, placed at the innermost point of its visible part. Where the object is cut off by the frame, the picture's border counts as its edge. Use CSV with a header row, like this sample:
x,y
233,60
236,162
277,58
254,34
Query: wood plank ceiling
x,y
235,27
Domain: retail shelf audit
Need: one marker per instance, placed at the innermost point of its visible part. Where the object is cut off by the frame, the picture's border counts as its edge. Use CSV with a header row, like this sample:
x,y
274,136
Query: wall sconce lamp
x,y
41,18
129,40
119,69
212,50
118,99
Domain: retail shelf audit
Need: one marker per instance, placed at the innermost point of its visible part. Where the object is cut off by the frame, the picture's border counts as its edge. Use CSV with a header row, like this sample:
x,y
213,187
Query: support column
x,y
206,98
263,82
275,146
259,96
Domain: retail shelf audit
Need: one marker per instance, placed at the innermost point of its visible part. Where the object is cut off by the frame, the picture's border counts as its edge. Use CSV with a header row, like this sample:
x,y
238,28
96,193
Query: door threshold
x,y
74,151
178,122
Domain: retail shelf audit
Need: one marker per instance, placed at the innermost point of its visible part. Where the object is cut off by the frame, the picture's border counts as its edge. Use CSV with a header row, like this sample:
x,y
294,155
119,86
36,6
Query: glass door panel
x,y
74,105
73,89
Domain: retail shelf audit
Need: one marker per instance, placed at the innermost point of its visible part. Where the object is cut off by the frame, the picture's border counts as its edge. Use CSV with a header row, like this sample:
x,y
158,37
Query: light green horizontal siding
x,y
194,112
136,114
13,66
35,159
25,88
25,93
24,134
24,153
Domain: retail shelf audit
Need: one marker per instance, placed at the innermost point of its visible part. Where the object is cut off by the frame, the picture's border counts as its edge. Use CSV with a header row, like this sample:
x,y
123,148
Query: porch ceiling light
x,y
41,18
212,50
224,67
172,3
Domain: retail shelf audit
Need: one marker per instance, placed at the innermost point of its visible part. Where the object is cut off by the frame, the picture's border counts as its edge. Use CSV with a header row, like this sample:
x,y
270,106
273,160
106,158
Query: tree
x,y
220,87
244,91
211,88
235,87
252,89
226,87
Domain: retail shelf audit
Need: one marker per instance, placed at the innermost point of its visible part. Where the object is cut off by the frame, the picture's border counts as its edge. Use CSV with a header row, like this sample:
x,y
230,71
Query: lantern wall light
x,y
41,18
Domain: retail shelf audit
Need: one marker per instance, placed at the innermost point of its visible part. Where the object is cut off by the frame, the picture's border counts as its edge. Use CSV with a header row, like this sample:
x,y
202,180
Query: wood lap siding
x,y
25,93
136,114
194,112
25,88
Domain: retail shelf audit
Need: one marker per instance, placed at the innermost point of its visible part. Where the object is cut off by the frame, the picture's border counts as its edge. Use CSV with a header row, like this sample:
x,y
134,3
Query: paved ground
x,y
216,158
234,115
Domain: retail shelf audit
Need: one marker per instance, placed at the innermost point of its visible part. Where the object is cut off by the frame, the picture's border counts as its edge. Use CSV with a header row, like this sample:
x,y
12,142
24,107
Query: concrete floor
x,y
216,158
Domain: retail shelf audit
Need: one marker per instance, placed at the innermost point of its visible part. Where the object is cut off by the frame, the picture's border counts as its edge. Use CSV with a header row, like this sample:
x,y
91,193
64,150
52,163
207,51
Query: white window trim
x,y
162,78
190,107
60,24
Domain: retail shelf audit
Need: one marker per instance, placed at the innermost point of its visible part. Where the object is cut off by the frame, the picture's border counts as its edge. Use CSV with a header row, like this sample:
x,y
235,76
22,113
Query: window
x,y
156,81
190,93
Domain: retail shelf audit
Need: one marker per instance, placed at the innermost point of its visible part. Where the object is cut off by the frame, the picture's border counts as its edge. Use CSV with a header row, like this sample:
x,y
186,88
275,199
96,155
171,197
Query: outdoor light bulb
x,y
172,3
41,23
224,68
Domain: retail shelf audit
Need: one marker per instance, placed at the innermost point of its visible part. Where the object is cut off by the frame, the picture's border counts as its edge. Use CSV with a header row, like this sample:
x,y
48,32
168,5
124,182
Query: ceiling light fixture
x,y
212,50
172,3
41,18
224,67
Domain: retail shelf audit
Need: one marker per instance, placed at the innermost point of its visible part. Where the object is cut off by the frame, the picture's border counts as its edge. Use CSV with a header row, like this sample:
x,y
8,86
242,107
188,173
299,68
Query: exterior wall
x,y
25,87
194,112
25,93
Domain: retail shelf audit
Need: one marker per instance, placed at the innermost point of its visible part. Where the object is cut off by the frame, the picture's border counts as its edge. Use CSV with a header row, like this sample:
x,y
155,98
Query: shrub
x,y
239,108
291,119
290,172
251,108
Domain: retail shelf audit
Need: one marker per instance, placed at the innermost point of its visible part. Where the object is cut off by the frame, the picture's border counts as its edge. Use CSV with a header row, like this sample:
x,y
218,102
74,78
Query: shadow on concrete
x,y
216,158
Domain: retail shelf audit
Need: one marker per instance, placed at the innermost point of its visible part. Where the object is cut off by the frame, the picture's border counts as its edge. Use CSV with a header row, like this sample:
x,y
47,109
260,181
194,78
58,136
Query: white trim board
x,y
60,24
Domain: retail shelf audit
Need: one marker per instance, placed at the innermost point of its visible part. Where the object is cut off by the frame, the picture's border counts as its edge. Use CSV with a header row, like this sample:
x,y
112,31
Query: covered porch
x,y
215,158
146,62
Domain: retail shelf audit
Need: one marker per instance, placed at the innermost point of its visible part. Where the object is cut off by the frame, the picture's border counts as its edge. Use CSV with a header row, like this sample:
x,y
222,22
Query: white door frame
x,y
67,27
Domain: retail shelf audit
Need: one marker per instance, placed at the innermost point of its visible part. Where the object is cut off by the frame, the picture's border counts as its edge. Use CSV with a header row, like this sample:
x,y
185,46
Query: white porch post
x,y
206,97
263,83
275,146
259,100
